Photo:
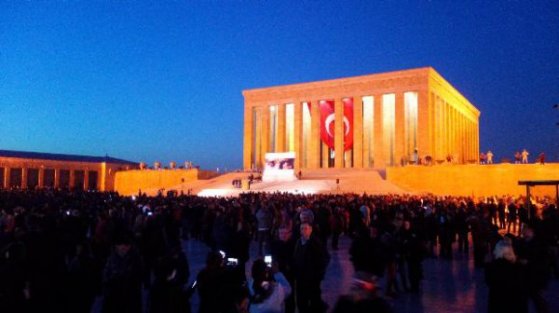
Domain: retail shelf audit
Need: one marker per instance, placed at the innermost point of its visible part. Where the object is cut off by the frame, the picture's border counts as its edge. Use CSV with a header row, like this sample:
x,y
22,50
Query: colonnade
x,y
376,142
457,133
398,118
29,177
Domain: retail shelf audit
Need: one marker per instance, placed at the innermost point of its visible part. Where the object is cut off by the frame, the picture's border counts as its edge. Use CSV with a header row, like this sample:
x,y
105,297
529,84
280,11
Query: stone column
x,y
7,177
463,139
41,183
324,156
248,138
400,129
85,179
314,153
378,133
469,142
436,125
339,133
72,182
432,126
280,136
453,125
475,153
258,141
298,133
447,131
265,148
23,177
476,146
357,132
424,124
56,178
442,129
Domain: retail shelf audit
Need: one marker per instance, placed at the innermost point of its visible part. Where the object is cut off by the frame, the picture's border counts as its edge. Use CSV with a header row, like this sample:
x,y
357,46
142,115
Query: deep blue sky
x,y
162,80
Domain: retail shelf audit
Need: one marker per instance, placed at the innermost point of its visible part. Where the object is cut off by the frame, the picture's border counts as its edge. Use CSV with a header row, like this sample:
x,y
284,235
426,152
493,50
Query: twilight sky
x,y
162,80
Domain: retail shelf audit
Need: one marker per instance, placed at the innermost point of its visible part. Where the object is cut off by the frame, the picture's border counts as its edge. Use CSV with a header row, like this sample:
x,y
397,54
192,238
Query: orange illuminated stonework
x,y
24,170
395,118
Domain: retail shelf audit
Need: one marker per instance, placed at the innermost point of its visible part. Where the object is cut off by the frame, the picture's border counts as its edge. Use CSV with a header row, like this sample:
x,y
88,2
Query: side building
x,y
20,169
370,121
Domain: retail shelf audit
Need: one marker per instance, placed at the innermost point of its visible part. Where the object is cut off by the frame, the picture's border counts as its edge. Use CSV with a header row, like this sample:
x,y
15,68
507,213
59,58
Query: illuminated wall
x,y
130,182
393,119
474,180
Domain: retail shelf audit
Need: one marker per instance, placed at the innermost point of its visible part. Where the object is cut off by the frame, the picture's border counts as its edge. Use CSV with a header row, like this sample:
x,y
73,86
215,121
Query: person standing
x,y
489,156
505,280
310,261
533,254
525,155
122,279
268,288
264,222
517,157
511,219
541,158
282,253
482,158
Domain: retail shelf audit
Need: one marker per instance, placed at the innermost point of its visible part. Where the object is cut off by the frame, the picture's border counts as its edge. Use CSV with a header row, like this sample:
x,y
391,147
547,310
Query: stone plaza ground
x,y
449,286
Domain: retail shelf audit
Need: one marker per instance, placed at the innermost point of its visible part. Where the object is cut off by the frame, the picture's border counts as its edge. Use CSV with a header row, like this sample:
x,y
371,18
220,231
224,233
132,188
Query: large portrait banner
x,y
279,167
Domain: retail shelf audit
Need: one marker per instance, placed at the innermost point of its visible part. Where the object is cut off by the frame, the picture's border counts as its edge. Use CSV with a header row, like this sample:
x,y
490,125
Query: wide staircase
x,y
329,181
370,181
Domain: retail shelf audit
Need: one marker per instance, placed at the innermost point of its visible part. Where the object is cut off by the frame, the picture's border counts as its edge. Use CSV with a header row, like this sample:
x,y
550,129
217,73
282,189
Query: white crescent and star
x,y
330,119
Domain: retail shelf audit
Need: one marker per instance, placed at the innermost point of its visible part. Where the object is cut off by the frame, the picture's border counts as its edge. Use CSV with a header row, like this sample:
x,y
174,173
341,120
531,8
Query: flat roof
x,y
350,79
62,157
539,182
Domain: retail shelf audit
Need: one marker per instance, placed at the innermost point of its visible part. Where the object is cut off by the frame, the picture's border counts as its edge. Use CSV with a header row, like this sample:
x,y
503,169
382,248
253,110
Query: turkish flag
x,y
348,123
328,122
327,125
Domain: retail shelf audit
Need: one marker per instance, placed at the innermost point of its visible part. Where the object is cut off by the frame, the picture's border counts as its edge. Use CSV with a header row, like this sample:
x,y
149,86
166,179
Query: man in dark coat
x,y
309,264
282,253
533,254
122,279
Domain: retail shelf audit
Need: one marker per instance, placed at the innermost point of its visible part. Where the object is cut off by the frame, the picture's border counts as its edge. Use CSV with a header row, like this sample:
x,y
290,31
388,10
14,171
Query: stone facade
x,y
37,170
398,117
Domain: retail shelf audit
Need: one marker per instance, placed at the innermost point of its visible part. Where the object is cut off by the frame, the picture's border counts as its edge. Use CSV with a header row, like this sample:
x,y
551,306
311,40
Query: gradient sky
x,y
162,80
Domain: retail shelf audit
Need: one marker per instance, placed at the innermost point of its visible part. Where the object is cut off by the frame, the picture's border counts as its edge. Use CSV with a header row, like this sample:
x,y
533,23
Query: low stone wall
x,y
474,180
130,182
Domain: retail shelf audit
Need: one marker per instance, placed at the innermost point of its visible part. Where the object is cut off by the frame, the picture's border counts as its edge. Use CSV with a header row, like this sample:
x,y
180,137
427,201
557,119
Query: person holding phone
x,y
268,288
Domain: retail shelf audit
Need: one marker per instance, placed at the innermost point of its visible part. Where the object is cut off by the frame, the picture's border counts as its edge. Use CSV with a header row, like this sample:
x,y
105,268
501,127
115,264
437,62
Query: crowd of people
x,y
520,157
62,250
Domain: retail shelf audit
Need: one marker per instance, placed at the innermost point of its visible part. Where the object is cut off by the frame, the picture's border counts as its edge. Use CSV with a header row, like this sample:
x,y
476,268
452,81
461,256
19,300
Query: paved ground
x,y
449,286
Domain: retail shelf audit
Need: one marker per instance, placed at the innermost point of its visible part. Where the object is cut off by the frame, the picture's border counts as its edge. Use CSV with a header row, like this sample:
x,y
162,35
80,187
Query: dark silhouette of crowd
x,y
63,250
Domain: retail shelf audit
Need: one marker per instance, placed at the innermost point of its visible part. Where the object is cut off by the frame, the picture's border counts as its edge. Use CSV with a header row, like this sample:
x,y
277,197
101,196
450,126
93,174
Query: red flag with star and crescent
x,y
328,122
